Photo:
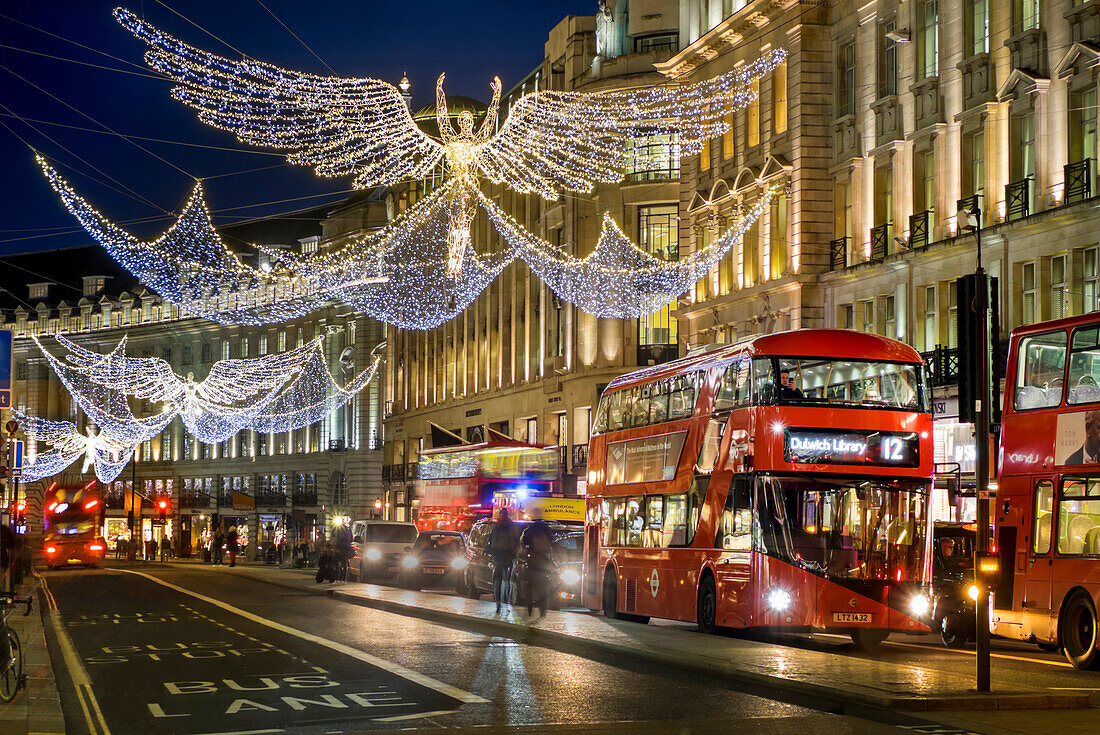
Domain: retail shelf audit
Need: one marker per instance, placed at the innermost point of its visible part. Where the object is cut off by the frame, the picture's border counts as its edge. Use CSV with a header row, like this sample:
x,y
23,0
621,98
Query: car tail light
x,y
51,550
95,547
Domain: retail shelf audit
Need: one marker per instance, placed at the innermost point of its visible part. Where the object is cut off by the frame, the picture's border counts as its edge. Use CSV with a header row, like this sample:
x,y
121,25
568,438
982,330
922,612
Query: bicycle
x,y
12,676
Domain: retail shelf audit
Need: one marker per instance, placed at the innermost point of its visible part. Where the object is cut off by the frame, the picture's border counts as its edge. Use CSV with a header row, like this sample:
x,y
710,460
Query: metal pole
x,y
981,438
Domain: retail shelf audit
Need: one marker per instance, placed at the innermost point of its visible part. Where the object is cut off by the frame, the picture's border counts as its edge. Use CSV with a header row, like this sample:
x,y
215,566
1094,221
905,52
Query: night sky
x,y
470,41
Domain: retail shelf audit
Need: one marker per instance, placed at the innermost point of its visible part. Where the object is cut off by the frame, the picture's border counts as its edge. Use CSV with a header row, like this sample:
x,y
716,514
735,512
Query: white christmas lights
x,y
270,394
100,451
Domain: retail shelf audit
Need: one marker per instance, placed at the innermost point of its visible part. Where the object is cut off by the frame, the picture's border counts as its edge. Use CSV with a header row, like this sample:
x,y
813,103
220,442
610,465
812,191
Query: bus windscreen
x,y
855,382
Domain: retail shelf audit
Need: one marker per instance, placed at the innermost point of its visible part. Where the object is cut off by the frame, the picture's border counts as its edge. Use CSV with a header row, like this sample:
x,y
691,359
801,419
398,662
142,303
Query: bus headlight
x,y
919,606
373,554
459,562
779,600
569,577
972,592
409,562
51,550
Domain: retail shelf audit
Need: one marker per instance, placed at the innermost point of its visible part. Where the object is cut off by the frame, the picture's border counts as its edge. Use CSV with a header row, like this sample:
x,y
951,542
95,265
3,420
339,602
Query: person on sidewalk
x,y
326,564
165,549
219,545
538,544
343,552
231,544
503,544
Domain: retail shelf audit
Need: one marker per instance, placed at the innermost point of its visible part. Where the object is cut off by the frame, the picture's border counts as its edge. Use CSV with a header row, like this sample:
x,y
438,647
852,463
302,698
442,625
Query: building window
x,y
658,234
884,197
977,28
846,73
928,40
890,325
532,431
1028,291
928,317
887,62
656,42
166,445
847,316
1059,287
1090,295
20,371
188,446
282,340
952,314
752,117
750,255
779,98
975,151
310,245
94,284
263,344
244,347
186,354
38,290
225,349
204,450
1025,15
205,353
1022,151
166,354
1082,128
727,138
704,157
867,309
777,255
654,158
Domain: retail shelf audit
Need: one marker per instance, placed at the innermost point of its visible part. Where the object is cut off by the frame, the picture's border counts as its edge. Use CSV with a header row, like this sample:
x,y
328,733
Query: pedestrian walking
x,y
538,544
343,552
503,544
231,544
219,545
165,549
326,564
120,547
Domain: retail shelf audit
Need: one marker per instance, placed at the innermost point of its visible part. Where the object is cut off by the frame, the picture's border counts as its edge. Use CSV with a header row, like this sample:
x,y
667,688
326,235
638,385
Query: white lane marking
x,y
396,669
81,681
1076,689
417,716
243,732
1064,664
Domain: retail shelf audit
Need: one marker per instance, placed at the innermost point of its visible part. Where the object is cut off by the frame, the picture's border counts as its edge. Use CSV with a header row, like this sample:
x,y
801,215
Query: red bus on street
x,y
781,482
73,516
455,485
1047,508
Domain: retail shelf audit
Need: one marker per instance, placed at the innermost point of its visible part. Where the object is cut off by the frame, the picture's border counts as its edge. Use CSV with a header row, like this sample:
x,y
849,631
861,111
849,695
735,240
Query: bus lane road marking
x,y
1006,656
169,667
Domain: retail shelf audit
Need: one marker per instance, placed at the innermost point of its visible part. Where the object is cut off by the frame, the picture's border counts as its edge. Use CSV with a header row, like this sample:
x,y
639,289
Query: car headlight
x,y
779,600
569,577
373,554
409,562
459,562
919,606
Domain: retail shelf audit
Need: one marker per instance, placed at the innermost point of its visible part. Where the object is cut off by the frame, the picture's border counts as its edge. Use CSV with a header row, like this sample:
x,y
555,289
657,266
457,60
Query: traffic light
x,y
968,290
162,509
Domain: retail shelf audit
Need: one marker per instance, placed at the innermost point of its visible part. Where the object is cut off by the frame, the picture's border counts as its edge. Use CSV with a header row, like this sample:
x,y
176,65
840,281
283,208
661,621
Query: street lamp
x,y
972,220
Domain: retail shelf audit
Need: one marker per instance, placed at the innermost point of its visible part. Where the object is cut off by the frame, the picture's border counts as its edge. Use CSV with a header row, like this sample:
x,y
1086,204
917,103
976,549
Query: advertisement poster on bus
x,y
5,368
1078,438
649,459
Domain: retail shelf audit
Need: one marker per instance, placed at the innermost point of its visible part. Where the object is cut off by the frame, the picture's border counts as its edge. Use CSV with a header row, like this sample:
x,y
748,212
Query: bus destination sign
x,y
830,446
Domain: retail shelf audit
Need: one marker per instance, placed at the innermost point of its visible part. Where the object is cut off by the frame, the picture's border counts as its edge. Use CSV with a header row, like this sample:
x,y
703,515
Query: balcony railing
x,y
920,229
225,500
268,498
838,253
116,500
304,498
192,500
971,203
880,241
580,457
336,445
944,365
1078,181
1018,199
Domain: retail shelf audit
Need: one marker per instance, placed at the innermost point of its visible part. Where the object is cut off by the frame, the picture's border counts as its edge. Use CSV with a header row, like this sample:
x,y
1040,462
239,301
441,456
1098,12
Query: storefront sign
x,y
825,446
649,459
243,502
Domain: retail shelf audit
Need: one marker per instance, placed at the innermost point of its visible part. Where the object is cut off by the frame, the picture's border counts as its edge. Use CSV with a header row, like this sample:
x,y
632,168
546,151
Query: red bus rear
x,y
455,486
1047,508
73,517
719,494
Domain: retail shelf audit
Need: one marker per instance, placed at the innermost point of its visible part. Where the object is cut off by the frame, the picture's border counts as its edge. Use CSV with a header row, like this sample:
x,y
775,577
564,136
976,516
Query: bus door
x,y
734,565
1040,560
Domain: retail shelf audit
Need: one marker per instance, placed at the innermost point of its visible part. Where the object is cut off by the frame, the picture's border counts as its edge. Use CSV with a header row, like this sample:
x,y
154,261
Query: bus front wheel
x,y
706,612
868,640
1077,625
610,596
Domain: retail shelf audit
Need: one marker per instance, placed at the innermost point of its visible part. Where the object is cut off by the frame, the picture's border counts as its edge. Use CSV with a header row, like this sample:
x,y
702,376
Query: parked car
x,y
437,557
377,548
567,543
477,578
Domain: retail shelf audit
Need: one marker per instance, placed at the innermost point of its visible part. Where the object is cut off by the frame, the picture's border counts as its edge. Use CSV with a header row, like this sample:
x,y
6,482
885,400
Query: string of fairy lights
x,y
106,455
271,394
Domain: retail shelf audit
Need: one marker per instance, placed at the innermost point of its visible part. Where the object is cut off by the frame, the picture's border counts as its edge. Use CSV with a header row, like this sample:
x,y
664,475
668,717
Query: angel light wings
x,y
421,270
269,395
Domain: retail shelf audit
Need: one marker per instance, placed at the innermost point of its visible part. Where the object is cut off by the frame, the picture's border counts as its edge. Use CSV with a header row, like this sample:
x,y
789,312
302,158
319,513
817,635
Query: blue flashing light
x,y
523,492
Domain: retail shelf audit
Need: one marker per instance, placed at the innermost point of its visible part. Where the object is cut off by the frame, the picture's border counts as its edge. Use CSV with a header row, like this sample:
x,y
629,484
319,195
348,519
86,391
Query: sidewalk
x,y
799,671
36,709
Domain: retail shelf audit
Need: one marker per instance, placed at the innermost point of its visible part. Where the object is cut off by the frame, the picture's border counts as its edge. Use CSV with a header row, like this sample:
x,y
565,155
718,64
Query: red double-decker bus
x,y
74,518
779,482
1047,507
455,485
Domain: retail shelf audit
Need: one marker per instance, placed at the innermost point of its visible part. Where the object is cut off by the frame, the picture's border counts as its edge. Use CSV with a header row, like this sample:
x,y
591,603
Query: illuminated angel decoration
x,y
270,394
106,455
550,143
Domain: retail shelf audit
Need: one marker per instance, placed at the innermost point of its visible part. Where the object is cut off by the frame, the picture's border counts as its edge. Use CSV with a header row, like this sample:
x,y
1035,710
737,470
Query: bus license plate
x,y
851,617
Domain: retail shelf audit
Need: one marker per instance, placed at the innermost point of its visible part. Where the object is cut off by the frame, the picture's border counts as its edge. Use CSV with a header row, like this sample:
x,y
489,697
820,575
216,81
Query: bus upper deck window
x,y
639,406
763,381
1040,368
1084,366
658,402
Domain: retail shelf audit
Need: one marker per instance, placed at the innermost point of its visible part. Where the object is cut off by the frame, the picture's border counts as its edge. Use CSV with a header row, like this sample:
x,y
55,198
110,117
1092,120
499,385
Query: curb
x,y
726,669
